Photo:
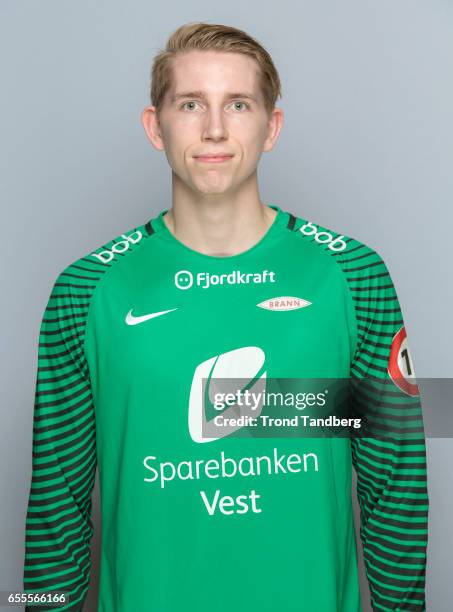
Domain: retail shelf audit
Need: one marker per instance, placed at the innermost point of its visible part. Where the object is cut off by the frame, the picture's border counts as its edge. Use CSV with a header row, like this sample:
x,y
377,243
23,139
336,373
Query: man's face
x,y
206,112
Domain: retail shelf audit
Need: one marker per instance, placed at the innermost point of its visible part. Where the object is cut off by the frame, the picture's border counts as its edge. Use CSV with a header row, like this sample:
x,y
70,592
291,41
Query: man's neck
x,y
219,227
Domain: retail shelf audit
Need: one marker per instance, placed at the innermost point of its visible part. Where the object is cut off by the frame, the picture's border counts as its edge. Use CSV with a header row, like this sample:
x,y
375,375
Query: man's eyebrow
x,y
201,94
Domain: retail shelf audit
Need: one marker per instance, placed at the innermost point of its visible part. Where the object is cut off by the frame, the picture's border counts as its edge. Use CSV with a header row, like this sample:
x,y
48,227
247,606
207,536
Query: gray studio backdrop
x,y
366,149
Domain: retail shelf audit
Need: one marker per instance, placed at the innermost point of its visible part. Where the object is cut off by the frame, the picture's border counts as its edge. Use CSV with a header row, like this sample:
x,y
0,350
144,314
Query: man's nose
x,y
215,127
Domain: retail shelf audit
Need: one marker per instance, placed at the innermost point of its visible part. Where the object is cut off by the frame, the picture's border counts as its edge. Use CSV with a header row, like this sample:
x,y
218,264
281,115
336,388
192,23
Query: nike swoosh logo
x,y
132,320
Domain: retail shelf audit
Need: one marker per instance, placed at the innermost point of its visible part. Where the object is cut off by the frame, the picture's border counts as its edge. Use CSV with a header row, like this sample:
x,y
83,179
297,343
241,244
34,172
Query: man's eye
x,y
185,103
240,102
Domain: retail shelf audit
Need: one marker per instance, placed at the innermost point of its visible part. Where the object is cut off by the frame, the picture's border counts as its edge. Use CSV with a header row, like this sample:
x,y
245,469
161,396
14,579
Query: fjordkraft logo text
x,y
119,247
185,279
322,237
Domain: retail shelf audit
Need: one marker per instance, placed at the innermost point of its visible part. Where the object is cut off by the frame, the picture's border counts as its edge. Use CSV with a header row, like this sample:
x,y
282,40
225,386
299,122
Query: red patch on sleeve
x,y
400,367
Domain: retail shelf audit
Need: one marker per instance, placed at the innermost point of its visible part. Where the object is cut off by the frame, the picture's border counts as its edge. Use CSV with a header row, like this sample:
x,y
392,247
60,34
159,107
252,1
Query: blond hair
x,y
206,36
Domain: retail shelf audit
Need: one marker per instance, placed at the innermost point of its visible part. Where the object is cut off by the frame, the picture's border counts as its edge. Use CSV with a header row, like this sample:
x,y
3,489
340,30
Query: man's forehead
x,y
214,56
192,69
194,76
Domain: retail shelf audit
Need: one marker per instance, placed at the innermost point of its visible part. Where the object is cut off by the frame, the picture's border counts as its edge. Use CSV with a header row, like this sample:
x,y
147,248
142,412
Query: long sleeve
x,y
390,468
58,522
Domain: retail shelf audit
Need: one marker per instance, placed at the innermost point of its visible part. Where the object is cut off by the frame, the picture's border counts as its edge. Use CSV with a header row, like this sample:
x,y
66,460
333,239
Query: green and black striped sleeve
x,y
58,527
390,463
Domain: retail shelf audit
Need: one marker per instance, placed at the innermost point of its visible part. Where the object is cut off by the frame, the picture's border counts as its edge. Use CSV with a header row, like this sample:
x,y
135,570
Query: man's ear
x,y
151,126
274,125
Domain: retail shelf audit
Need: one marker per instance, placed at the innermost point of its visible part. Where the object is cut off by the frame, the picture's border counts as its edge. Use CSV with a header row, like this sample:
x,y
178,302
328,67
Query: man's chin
x,y
212,190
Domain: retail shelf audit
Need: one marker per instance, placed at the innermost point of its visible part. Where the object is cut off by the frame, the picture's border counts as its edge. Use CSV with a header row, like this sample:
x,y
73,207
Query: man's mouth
x,y
214,159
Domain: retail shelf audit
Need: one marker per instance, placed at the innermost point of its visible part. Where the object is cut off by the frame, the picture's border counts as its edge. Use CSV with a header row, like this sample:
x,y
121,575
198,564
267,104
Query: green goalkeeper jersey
x,y
222,522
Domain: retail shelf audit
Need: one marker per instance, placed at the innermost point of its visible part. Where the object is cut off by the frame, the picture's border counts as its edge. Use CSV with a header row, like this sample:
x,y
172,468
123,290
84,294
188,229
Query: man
x,y
222,285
